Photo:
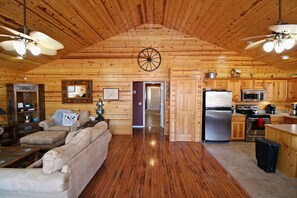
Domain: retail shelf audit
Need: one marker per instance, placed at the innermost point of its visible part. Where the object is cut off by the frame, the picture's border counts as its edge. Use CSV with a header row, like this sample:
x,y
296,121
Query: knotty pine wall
x,y
112,63
8,76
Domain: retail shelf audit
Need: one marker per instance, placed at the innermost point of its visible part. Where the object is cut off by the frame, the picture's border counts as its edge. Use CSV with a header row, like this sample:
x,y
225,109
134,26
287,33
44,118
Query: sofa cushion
x,y
54,159
69,119
43,137
60,128
71,135
98,129
28,180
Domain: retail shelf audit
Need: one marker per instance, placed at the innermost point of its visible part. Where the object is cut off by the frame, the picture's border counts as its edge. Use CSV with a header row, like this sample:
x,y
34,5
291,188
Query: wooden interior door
x,y
185,110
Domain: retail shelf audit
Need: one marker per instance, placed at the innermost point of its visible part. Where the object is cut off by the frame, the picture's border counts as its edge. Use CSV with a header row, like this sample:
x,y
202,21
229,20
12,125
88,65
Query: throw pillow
x,y
58,116
69,118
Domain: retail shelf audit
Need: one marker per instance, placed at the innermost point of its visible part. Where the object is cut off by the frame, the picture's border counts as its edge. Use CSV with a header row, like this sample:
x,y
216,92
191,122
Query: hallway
x,y
148,165
152,118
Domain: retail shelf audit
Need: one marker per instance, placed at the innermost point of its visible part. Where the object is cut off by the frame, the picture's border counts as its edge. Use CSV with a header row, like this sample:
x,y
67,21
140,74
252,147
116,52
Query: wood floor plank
x,y
148,165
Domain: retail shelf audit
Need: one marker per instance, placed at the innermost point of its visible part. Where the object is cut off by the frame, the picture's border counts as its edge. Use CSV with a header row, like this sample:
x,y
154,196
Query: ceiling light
x,y
268,46
19,47
35,50
289,43
285,57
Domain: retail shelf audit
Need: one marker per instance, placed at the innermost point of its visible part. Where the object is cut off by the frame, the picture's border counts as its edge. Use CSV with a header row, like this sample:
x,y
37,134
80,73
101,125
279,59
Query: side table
x,y
93,123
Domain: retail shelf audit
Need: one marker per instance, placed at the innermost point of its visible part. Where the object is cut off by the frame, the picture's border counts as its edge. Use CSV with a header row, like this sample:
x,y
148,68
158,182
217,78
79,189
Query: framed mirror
x,y
77,91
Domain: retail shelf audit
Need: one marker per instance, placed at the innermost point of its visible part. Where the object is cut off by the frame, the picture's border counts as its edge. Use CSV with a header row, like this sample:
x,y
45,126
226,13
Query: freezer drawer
x,y
217,125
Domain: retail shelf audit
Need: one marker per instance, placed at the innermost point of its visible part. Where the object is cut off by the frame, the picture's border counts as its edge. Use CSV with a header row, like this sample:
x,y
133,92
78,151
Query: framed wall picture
x,y
110,93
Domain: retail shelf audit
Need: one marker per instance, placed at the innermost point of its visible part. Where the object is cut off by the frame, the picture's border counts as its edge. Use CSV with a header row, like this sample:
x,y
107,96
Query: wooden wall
x,y
8,76
113,63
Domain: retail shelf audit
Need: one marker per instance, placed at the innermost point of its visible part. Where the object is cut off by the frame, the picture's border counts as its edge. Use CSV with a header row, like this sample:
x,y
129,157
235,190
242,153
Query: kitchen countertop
x,y
238,114
288,128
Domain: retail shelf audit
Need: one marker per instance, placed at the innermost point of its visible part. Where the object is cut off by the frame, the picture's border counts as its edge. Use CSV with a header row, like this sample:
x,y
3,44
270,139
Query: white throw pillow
x,y
69,118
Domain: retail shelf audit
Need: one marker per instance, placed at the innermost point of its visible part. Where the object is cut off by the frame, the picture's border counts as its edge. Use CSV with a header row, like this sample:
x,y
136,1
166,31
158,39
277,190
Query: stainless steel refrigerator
x,y
217,112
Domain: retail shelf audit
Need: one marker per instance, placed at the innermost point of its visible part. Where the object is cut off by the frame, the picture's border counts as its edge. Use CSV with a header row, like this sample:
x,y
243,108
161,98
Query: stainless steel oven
x,y
252,94
255,123
255,126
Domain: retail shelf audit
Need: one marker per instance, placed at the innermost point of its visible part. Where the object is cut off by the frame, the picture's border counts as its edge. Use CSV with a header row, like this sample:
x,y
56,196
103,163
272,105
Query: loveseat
x,y
56,123
65,171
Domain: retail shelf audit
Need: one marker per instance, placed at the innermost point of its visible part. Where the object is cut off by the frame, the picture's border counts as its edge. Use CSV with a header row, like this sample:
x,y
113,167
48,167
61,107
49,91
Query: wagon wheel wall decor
x,y
149,59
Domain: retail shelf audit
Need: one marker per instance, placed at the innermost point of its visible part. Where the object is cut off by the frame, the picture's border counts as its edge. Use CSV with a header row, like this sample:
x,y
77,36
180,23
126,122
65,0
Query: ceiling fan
x,y
36,42
283,36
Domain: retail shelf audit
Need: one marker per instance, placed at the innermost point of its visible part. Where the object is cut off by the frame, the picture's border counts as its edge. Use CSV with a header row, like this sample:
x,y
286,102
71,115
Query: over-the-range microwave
x,y
252,94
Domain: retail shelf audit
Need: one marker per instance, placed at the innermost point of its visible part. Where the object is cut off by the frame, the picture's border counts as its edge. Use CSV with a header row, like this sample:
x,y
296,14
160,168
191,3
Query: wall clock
x,y
149,59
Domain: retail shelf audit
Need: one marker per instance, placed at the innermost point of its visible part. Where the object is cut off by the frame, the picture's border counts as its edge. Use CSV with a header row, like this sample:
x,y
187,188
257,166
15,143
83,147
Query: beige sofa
x,y
65,171
51,124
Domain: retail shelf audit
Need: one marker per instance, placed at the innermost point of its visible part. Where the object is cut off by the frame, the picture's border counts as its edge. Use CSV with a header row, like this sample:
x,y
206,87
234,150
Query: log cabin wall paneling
x,y
8,76
112,63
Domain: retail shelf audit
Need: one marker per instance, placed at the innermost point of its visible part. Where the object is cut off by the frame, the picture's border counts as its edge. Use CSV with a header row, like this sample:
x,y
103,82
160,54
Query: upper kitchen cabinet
x,y
215,83
258,84
247,84
292,91
275,90
221,84
234,86
280,90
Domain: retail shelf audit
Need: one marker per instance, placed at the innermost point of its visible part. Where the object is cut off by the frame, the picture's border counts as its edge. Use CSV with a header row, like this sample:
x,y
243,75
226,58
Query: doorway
x,y
148,104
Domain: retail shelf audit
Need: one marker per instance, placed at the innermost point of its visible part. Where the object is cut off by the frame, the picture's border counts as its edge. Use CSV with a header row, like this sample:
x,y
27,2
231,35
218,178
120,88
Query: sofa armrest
x,y
79,123
32,180
46,124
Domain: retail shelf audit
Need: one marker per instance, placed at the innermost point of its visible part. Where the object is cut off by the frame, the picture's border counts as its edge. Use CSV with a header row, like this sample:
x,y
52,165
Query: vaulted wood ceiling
x,y
81,23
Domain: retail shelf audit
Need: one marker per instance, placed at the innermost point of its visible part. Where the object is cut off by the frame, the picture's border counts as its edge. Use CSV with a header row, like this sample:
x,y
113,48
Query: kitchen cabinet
x,y
275,90
258,84
268,86
290,120
208,83
279,90
276,119
247,84
238,127
220,84
234,86
292,90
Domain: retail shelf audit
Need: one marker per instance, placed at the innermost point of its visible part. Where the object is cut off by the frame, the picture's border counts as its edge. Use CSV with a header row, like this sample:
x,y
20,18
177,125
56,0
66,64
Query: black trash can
x,y
266,154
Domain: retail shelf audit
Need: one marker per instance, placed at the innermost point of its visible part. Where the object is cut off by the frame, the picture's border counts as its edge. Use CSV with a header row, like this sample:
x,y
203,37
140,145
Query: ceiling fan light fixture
x,y
35,50
20,47
268,46
279,48
289,43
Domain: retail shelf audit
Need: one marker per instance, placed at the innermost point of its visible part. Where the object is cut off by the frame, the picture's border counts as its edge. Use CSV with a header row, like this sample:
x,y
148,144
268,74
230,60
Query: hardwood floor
x,y
148,165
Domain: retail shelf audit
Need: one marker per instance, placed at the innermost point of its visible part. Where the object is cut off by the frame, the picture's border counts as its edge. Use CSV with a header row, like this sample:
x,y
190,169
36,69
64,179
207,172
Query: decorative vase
x,y
100,110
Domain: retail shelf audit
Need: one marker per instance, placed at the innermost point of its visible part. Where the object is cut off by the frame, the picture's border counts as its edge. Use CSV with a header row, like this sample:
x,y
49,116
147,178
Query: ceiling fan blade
x,y
7,45
47,51
255,37
46,41
294,36
289,28
254,44
19,34
9,36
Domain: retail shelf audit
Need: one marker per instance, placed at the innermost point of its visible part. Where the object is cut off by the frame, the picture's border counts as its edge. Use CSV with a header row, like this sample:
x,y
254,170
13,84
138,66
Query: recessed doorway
x,y
148,104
